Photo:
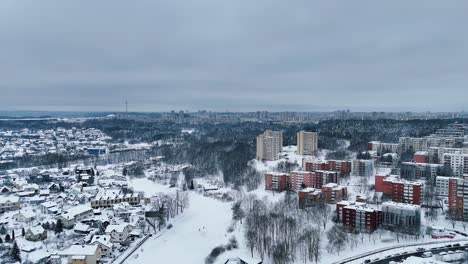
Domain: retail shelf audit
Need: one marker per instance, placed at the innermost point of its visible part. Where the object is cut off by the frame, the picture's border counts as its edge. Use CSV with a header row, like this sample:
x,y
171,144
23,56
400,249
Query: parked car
x,y
427,254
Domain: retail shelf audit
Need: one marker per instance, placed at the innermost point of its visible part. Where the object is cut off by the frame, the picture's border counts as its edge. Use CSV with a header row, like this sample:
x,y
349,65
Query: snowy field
x,y
202,227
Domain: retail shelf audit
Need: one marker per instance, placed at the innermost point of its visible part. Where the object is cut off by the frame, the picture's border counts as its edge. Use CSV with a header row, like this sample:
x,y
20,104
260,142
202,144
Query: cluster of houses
x,y
27,142
100,212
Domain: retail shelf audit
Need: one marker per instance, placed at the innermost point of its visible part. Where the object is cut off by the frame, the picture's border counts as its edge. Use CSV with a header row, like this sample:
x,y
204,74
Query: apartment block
x,y
458,163
307,142
402,217
269,145
398,190
421,157
276,181
343,166
308,197
107,201
381,147
413,170
358,217
333,193
458,198
362,168
442,185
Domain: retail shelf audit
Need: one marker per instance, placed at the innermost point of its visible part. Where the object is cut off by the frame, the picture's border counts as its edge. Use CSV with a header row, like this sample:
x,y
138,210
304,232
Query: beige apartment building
x,y
307,142
269,145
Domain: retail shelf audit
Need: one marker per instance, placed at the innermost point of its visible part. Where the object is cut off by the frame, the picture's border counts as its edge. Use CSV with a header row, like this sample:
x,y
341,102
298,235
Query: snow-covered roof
x,y
77,210
80,227
27,213
117,228
80,250
9,199
102,239
49,204
36,230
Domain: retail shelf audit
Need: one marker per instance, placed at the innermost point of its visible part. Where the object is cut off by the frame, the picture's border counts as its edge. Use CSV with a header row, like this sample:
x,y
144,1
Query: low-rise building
x,y
24,215
104,243
108,201
75,214
81,254
118,233
9,203
36,233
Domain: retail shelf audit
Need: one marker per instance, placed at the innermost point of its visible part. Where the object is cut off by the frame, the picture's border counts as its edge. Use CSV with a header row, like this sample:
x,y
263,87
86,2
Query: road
x,y
434,251
368,255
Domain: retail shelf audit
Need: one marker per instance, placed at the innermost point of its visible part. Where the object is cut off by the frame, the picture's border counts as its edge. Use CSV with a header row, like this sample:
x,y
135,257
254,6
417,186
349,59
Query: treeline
x,y
284,233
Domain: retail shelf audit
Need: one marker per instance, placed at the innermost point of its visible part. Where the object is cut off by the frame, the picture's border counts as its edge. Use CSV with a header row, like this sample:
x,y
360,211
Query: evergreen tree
x,y
15,253
191,185
59,227
1,240
3,230
161,216
7,238
23,233
13,235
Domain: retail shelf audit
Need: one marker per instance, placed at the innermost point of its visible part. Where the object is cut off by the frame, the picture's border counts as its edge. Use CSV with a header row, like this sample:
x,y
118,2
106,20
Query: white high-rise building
x,y
307,142
458,162
269,145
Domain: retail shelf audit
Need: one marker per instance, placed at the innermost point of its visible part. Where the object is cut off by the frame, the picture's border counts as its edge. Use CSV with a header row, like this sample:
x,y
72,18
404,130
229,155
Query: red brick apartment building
x,y
333,193
309,196
357,216
276,181
342,166
421,157
456,193
400,191
314,179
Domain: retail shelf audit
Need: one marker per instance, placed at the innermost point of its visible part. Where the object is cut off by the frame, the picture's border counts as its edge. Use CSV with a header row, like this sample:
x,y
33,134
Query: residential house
x,y
104,243
36,233
9,203
118,233
25,215
82,254
75,214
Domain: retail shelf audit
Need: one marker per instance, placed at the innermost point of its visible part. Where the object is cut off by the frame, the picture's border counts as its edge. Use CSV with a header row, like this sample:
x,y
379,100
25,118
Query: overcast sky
x,y
237,55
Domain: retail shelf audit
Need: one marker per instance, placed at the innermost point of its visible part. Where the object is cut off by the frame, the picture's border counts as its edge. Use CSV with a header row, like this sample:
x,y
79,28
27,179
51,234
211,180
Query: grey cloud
x,y
242,55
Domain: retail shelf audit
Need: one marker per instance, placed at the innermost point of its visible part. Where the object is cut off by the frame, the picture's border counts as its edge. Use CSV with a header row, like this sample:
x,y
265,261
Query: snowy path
x,y
187,241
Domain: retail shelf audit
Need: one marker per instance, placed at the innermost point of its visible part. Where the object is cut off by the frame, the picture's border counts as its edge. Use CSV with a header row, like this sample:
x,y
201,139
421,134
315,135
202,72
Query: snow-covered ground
x,y
202,227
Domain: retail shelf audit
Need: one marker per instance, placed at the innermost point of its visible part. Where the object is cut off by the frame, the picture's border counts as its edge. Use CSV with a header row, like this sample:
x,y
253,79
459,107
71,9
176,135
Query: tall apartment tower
x,y
458,162
307,142
269,145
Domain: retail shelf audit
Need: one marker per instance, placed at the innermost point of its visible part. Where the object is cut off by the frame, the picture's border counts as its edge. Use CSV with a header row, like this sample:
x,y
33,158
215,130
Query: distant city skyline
x,y
303,56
